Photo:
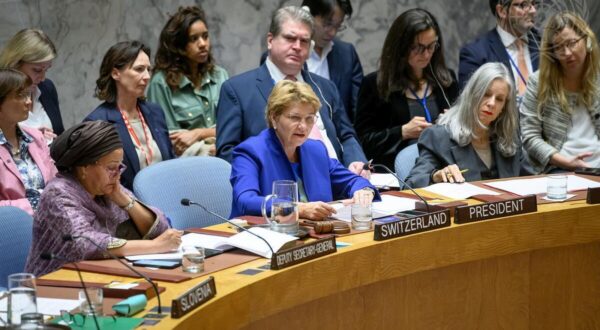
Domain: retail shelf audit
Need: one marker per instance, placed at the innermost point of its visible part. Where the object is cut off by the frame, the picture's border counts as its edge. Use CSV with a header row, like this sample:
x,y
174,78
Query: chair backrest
x,y
201,179
405,160
15,241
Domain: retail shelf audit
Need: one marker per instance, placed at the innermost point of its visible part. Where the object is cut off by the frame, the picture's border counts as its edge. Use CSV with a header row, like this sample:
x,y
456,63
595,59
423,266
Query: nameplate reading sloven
x,y
193,298
302,253
404,227
492,210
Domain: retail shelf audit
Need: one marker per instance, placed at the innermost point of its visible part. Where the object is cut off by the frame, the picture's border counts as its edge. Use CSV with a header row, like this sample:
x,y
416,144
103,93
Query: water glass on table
x,y
556,187
96,297
362,216
22,296
192,260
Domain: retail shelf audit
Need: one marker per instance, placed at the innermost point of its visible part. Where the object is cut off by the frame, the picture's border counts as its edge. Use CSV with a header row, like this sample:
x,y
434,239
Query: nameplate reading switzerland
x,y
419,224
193,298
302,253
492,210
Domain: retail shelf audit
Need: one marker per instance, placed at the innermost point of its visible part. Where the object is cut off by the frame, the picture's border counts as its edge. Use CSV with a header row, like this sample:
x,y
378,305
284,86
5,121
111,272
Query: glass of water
x,y
193,259
362,217
557,187
22,297
96,299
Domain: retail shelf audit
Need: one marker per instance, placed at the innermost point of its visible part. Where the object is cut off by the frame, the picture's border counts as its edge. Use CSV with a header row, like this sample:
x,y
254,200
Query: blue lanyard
x,y
423,102
512,62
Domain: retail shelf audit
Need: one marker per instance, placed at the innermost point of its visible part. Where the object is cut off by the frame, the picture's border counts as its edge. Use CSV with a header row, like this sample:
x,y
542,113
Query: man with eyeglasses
x,y
514,42
243,98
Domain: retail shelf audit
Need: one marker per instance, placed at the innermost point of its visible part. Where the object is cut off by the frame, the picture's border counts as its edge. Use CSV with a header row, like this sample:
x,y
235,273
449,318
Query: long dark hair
x,y
170,56
395,74
119,56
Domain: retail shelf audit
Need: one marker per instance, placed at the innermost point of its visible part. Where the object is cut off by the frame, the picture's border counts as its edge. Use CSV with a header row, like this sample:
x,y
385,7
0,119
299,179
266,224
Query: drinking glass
x,y
193,259
22,297
96,299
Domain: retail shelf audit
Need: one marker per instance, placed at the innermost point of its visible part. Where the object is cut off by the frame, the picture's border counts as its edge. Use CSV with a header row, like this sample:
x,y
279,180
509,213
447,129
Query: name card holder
x,y
303,253
414,225
193,298
492,210
593,196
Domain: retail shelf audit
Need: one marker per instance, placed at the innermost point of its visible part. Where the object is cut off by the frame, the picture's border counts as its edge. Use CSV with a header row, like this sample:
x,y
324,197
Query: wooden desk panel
x,y
538,270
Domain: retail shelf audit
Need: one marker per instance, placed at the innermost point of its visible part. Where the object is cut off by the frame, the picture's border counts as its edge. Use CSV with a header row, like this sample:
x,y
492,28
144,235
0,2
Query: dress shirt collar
x,y
508,40
276,74
207,79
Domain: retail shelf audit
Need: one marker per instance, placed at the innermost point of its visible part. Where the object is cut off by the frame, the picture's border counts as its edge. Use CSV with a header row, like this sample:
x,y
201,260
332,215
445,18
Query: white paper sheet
x,y
535,186
47,306
389,205
384,180
458,190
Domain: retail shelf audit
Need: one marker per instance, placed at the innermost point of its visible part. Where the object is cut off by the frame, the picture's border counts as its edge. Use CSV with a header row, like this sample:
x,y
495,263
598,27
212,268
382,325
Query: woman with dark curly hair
x,y
187,82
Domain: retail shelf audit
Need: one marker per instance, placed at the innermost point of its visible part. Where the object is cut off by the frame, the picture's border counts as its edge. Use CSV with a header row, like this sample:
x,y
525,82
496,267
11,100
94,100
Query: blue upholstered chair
x,y
15,240
201,179
405,160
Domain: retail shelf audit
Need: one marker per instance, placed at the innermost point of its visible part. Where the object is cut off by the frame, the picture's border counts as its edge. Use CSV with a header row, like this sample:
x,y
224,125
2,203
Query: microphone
x,y
69,237
370,165
187,202
51,256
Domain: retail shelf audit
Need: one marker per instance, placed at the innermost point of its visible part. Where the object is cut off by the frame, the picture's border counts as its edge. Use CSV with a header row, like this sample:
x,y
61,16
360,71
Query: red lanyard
x,y
136,141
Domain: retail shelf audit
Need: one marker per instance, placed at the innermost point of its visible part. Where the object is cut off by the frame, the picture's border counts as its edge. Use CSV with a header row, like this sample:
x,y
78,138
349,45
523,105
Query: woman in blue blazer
x,y
284,152
124,76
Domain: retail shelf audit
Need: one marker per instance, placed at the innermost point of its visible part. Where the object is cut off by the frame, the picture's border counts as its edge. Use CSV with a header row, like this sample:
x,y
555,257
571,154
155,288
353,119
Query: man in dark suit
x,y
513,42
243,98
332,58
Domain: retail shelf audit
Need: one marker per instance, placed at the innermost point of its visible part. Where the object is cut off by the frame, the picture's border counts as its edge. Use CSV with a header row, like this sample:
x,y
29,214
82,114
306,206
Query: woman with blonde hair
x,y
560,121
32,52
284,152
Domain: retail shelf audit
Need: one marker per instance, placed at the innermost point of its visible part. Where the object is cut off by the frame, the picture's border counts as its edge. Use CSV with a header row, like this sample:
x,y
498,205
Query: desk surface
x,y
537,270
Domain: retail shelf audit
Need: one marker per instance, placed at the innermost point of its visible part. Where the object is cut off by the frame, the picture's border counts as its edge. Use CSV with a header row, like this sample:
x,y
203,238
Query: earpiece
x,y
312,46
588,44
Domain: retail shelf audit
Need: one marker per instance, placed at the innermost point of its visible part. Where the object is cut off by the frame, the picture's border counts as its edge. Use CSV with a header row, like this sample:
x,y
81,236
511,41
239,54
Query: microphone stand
x,y
400,181
187,202
154,286
50,256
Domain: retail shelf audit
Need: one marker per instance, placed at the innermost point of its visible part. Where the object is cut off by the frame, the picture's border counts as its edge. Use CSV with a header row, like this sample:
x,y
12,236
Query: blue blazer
x,y
260,160
49,100
155,118
241,113
345,71
489,48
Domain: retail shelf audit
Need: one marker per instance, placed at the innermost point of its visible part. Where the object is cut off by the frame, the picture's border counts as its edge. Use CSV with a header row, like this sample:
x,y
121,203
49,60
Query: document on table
x,y
536,186
47,306
458,190
389,205
384,180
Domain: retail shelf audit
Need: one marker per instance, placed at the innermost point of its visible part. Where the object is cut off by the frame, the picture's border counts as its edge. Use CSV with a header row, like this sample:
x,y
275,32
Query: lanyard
x,y
423,101
514,65
136,140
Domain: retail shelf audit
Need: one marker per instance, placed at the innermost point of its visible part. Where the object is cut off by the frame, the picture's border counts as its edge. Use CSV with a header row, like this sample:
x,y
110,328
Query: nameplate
x,y
418,224
302,253
492,210
193,298
593,195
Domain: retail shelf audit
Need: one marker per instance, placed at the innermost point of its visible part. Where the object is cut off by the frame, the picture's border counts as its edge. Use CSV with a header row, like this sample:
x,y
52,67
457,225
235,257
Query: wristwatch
x,y
130,205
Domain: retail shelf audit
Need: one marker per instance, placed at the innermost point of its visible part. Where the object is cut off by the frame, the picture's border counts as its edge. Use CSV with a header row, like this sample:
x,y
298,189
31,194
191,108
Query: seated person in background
x,y
408,92
186,82
31,52
124,75
243,98
478,134
560,114
284,152
86,199
26,163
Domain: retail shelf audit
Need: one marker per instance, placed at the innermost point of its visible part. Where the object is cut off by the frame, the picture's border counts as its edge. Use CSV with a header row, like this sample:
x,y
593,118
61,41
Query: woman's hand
x,y
315,210
450,173
182,140
413,129
570,163
358,169
117,195
169,240
364,197
48,133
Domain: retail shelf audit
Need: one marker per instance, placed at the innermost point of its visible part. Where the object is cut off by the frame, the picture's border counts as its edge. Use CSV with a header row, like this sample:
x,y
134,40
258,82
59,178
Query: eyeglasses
x,y
296,119
525,5
79,319
330,25
24,95
570,44
420,49
114,170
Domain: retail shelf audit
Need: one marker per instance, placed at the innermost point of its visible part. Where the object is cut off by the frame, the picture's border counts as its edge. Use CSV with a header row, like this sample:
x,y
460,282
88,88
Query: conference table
x,y
537,270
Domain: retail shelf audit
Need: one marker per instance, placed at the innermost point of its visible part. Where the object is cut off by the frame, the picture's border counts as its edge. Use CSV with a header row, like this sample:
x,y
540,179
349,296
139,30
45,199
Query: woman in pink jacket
x,y
26,165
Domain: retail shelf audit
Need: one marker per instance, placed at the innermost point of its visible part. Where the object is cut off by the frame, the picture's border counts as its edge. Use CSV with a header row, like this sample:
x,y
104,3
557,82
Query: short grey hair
x,y
463,118
293,13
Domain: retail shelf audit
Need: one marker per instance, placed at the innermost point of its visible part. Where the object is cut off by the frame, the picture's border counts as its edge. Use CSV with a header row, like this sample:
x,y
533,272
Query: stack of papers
x,y
242,240
384,181
458,190
536,186
389,205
